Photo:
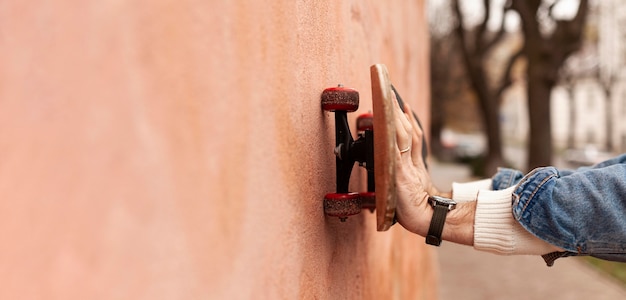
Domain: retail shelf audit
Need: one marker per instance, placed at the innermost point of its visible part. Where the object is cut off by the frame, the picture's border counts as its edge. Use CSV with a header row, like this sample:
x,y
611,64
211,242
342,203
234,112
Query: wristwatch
x,y
441,208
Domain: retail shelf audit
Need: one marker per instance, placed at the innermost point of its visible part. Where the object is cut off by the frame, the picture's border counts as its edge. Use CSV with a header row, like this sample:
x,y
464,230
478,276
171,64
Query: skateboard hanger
x,y
381,194
348,151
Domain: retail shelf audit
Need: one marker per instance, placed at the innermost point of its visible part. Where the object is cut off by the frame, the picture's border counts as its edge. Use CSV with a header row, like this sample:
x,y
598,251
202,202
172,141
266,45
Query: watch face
x,y
437,200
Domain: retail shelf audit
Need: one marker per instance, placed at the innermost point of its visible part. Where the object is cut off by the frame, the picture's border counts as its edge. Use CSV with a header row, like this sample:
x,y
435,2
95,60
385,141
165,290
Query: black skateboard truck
x,y
343,203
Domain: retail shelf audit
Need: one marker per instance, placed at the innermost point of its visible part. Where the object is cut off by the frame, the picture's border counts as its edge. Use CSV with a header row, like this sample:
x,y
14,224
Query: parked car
x,y
463,145
587,156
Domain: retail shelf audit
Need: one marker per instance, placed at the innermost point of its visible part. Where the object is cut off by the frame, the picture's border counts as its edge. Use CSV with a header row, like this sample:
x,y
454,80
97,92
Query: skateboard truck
x,y
348,151
381,192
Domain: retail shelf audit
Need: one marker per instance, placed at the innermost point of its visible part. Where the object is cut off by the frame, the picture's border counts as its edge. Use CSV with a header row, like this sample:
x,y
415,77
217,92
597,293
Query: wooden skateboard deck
x,y
384,147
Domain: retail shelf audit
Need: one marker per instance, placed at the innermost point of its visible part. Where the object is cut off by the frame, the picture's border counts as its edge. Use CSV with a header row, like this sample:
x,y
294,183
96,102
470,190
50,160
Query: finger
x,y
418,145
405,121
417,137
404,128
403,136
412,120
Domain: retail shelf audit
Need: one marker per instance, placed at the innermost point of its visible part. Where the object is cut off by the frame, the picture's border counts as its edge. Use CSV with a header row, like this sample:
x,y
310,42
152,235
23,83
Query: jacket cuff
x,y
468,191
496,231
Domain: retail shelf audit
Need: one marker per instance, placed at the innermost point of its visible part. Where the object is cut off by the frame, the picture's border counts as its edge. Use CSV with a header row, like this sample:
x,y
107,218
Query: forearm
x,y
483,219
459,227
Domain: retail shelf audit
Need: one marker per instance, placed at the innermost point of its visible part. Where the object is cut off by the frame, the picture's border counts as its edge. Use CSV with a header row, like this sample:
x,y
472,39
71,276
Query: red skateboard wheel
x,y
340,98
365,122
342,205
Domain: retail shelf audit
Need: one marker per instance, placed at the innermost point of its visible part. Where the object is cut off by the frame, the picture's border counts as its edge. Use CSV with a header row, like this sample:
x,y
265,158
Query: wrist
x,y
450,221
459,226
416,215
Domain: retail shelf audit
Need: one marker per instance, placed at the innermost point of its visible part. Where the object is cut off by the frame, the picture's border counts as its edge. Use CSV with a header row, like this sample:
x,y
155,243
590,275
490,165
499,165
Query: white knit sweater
x,y
495,228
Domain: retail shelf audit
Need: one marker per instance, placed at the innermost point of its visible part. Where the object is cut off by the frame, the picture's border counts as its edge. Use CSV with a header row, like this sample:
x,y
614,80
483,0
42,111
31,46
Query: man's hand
x,y
413,181
414,185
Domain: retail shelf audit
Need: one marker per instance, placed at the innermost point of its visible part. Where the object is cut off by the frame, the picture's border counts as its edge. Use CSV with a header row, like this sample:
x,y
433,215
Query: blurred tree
x,y
548,41
568,80
476,44
607,84
441,55
449,85
583,65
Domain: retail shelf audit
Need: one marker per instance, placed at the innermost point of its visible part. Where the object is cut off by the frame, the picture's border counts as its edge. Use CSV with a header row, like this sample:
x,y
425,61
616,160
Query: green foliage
x,y
616,270
475,163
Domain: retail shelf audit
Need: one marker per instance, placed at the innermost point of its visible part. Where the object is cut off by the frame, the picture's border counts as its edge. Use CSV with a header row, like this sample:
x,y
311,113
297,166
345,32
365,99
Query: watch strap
x,y
436,225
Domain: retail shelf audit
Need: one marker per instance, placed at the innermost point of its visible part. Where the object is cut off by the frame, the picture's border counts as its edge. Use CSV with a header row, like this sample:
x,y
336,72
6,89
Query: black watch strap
x,y
436,225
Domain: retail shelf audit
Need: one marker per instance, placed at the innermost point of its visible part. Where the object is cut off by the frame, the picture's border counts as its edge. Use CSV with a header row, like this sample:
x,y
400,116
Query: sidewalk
x,y
469,274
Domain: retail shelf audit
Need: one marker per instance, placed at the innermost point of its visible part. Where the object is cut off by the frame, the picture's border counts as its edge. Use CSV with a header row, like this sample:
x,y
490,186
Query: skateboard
x,y
373,149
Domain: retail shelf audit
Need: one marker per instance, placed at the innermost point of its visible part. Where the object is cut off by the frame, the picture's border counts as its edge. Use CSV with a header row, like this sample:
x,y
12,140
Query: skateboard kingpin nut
x,y
340,98
337,151
342,205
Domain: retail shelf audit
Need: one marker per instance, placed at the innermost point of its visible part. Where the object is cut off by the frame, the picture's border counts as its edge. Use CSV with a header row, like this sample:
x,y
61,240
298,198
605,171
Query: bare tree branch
x,y
569,32
460,31
507,78
500,34
528,11
583,8
482,28
551,9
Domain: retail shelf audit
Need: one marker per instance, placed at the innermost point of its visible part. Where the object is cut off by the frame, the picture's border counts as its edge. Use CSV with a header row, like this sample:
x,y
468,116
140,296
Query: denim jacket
x,y
582,211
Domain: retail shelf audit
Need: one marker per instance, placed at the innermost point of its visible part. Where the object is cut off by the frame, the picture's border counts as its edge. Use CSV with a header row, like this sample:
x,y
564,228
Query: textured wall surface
x,y
177,149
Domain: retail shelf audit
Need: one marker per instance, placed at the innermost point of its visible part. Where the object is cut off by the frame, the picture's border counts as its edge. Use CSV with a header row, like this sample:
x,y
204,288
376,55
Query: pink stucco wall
x,y
177,149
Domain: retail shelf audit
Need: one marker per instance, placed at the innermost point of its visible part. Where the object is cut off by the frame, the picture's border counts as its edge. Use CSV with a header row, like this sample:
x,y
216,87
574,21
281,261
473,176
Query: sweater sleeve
x,y
496,230
468,191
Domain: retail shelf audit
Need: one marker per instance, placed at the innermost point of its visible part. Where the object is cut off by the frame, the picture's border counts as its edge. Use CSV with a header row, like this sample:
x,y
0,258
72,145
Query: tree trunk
x,y
540,135
436,126
545,54
571,131
494,158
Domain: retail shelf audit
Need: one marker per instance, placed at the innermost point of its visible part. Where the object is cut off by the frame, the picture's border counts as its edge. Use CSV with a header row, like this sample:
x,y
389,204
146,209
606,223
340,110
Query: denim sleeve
x,y
613,161
582,212
505,178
